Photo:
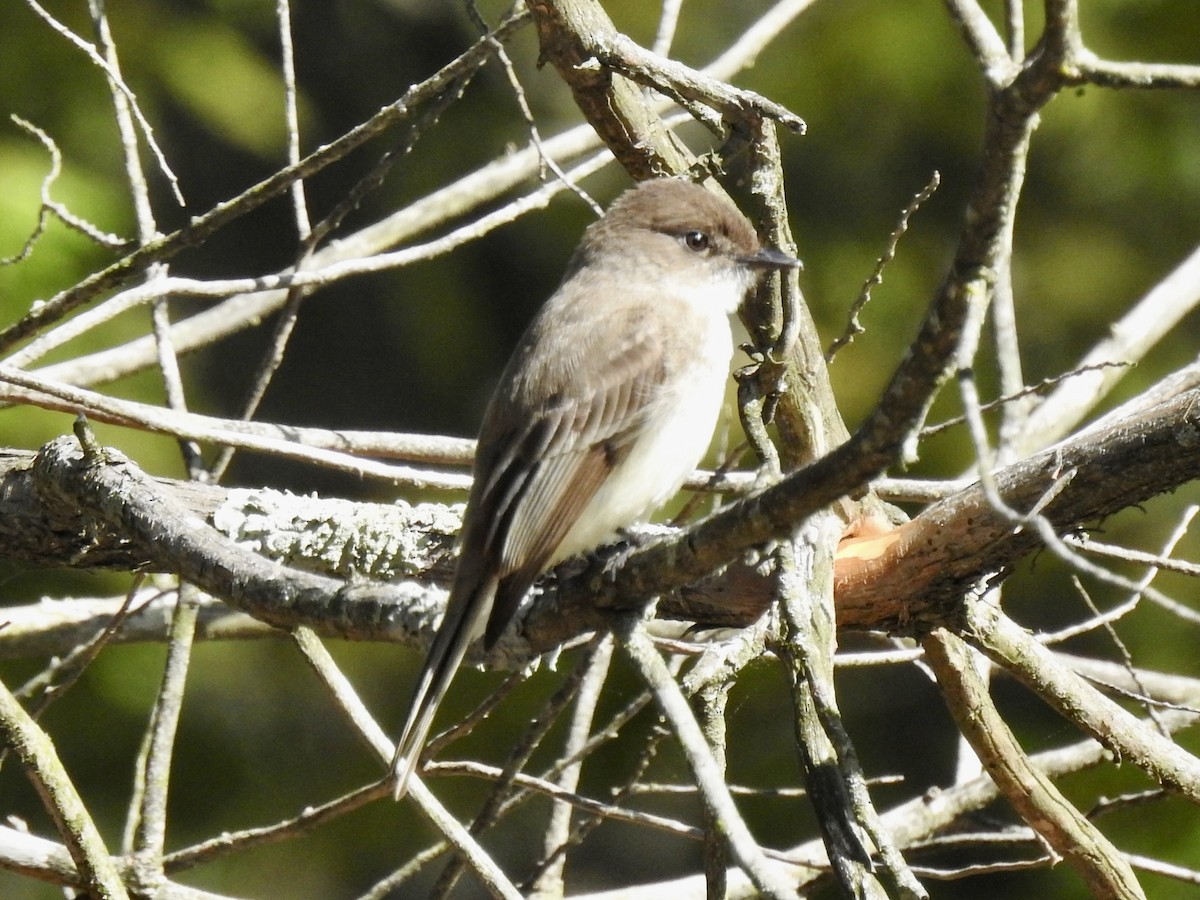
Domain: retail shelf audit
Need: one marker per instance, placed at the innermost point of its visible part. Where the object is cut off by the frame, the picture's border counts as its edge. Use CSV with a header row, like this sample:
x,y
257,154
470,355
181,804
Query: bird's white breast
x,y
679,423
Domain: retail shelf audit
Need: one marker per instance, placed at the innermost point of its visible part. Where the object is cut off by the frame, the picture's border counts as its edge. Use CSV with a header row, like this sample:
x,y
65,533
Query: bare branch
x,y
98,874
671,701
1012,647
1152,317
1033,795
983,40
411,106
854,327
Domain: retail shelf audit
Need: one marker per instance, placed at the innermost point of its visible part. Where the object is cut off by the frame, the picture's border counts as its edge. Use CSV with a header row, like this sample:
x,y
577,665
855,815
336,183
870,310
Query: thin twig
x,y
535,136
285,322
549,881
1025,392
291,116
50,207
170,422
114,77
149,820
168,362
853,326
743,848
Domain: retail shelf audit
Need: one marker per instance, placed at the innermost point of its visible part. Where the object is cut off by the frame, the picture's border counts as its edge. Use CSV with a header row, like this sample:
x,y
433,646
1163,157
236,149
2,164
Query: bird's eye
x,y
696,240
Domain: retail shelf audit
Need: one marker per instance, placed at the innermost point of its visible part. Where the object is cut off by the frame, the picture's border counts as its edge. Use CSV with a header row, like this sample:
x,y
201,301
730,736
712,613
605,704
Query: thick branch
x,y
954,543
116,492
917,580
1029,790
612,104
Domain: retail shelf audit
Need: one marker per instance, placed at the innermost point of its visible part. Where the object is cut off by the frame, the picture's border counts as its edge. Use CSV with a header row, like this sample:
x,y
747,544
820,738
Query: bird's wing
x,y
540,481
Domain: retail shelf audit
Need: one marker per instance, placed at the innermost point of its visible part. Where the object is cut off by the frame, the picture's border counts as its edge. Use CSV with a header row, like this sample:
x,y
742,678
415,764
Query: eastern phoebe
x,y
607,404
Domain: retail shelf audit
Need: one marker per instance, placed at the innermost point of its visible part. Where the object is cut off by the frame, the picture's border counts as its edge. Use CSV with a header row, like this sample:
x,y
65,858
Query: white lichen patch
x,y
340,537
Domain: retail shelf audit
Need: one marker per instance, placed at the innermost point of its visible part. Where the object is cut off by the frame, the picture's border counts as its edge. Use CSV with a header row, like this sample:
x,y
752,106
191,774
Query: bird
x,y
608,402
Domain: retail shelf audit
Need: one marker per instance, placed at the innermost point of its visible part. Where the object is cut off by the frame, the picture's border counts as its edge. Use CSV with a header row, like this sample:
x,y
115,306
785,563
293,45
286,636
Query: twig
x,y
341,692
1090,69
168,362
804,641
50,207
604,811
854,327
1153,316
1122,649
287,828
78,621
667,22
1023,393
50,862
272,356
1090,545
1165,869
424,448
283,14
147,827
1014,20
114,77
711,704
982,40
535,136
742,846
262,439
683,84
558,825
63,672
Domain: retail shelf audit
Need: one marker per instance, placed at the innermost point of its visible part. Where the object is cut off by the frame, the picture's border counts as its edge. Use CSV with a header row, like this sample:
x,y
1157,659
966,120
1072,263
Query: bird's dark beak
x,y
770,258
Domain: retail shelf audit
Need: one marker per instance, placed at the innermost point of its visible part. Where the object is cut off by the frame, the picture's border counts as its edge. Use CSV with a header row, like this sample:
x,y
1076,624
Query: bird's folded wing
x,y
535,488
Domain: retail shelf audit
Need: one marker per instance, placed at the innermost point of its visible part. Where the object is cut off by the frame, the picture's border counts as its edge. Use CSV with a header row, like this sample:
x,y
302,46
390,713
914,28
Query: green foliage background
x,y
890,94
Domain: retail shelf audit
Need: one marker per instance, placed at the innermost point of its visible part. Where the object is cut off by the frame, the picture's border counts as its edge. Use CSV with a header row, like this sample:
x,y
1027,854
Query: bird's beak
x,y
770,258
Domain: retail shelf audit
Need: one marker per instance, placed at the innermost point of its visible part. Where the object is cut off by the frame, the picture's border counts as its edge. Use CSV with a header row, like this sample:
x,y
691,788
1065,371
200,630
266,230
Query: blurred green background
x,y
890,95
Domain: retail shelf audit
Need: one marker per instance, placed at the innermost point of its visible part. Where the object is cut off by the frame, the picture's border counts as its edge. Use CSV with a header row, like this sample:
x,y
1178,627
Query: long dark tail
x,y
466,613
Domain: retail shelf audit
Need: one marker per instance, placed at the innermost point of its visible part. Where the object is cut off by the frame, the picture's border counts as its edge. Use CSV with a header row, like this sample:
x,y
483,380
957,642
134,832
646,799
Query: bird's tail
x,y
466,613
